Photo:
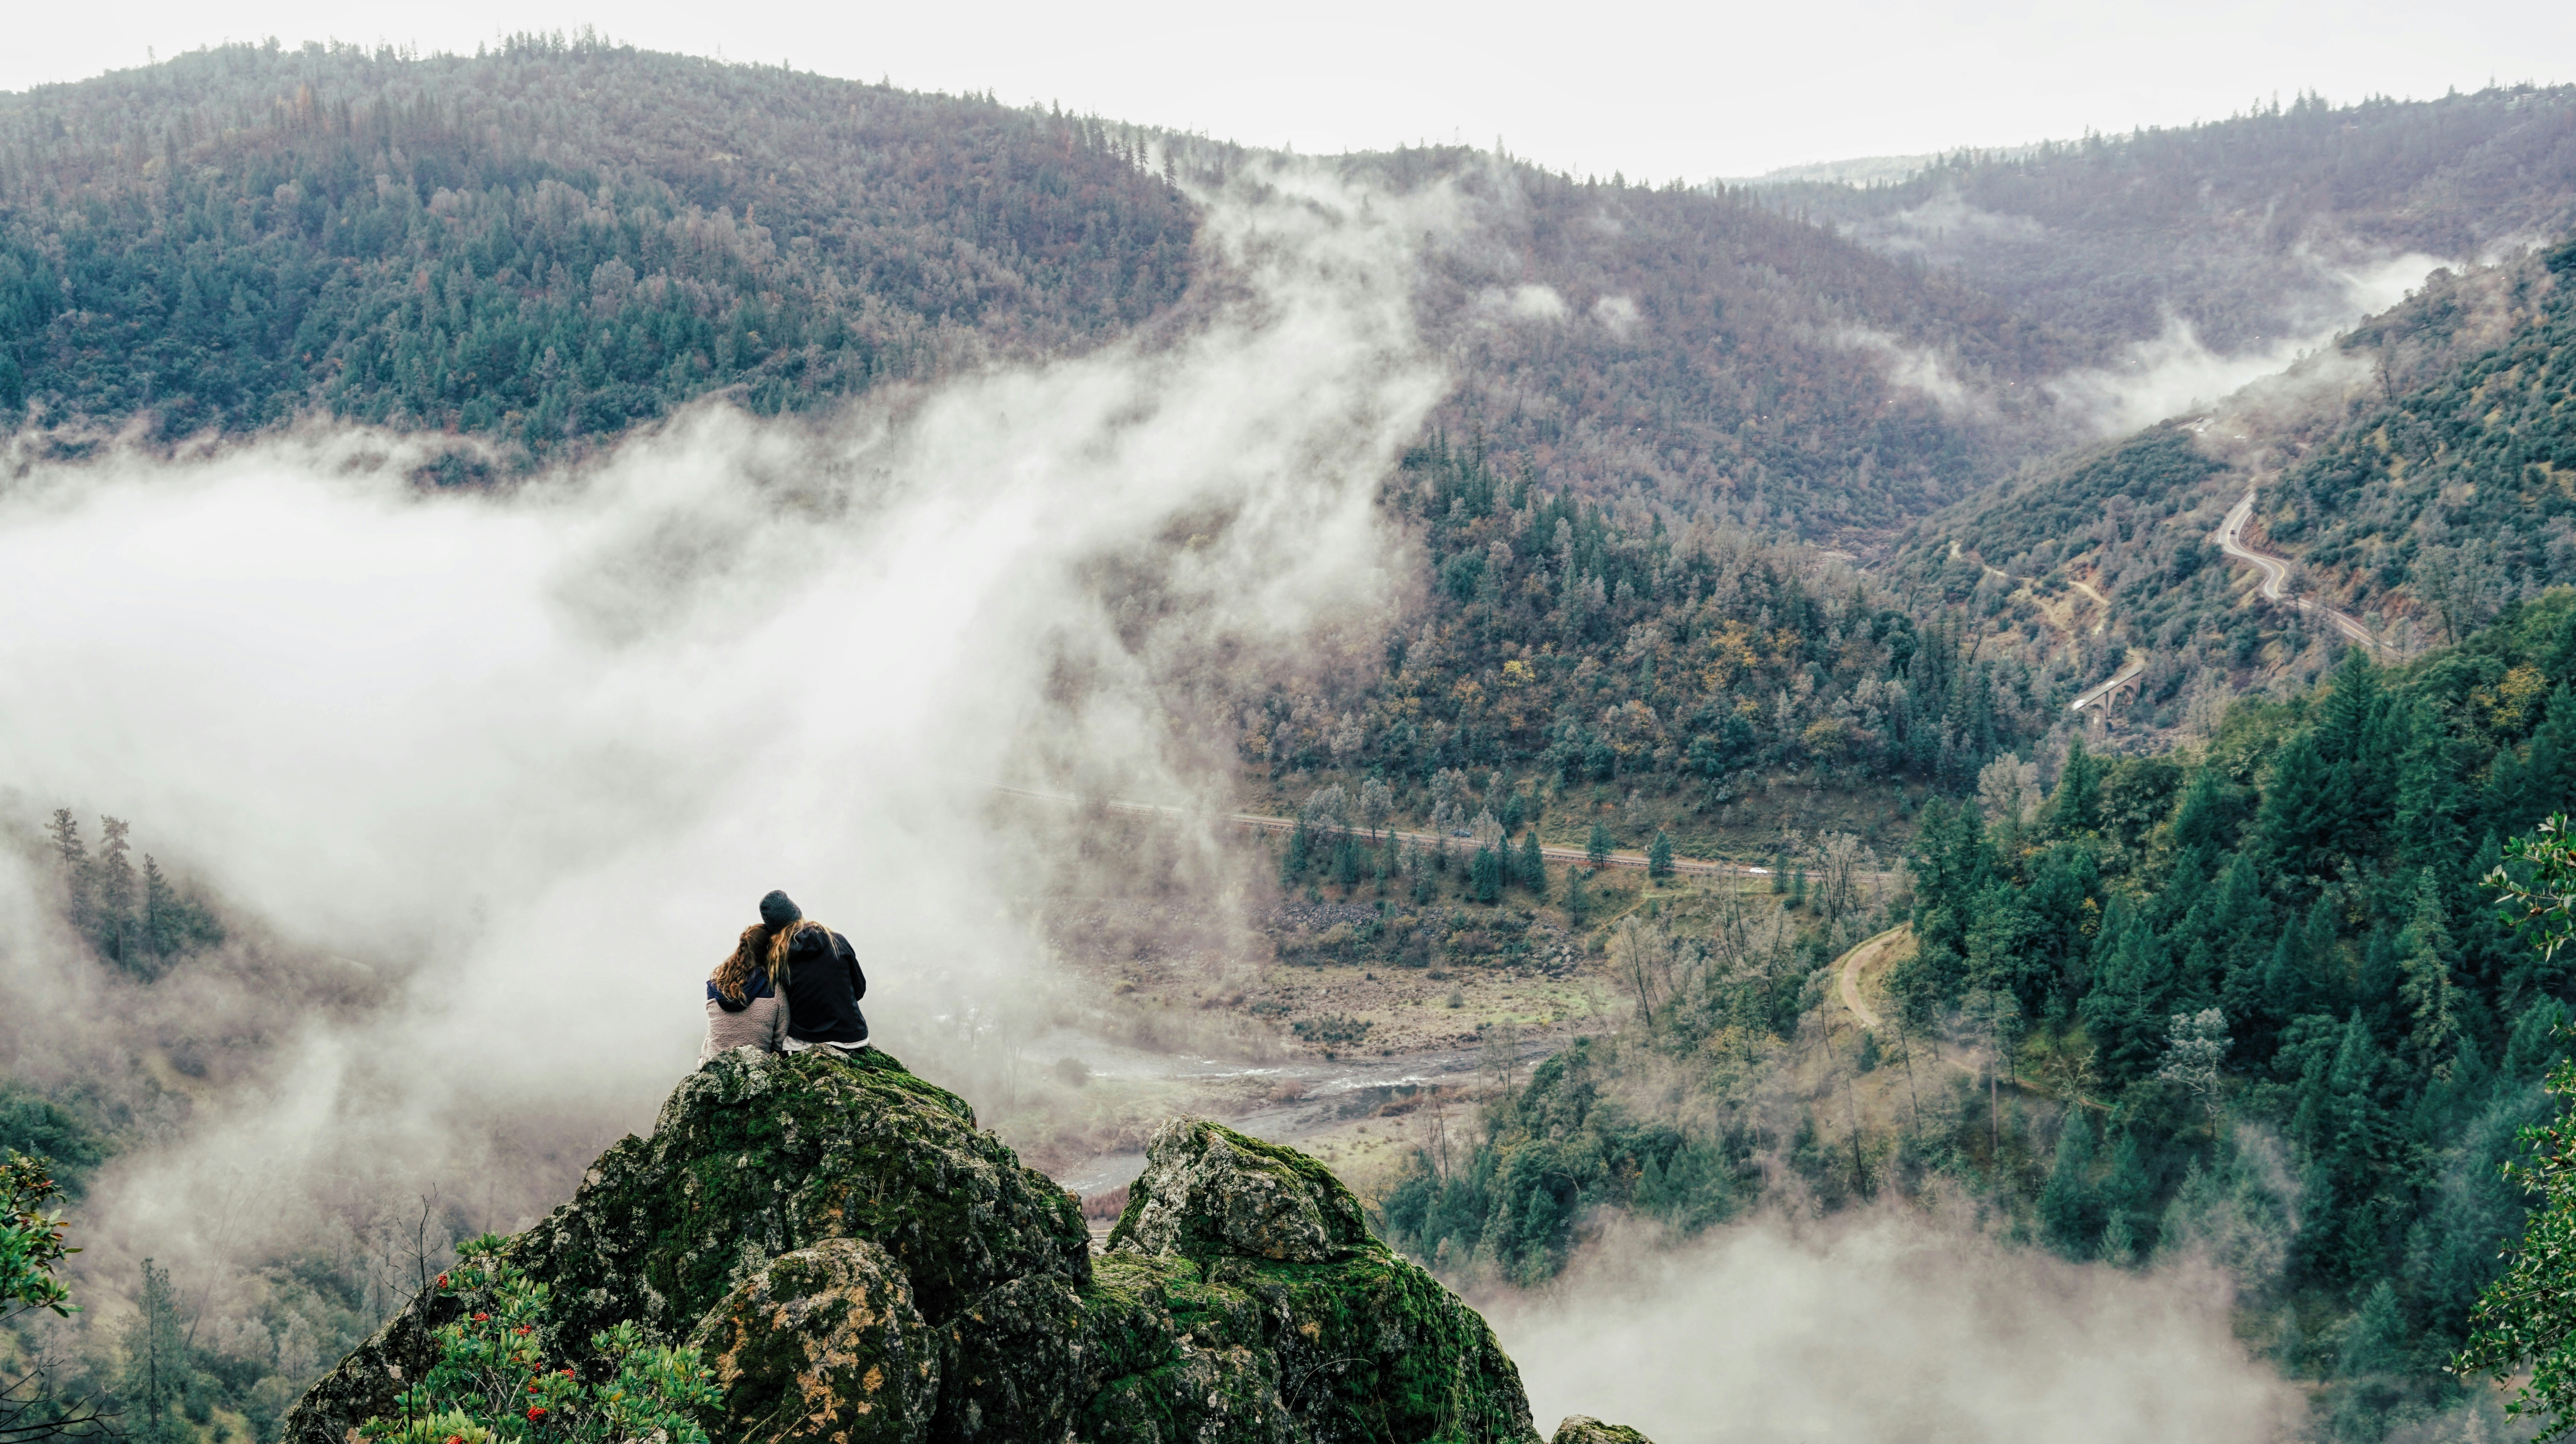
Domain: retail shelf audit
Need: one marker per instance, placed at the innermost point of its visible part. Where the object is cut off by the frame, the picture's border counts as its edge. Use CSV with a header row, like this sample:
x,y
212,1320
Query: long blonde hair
x,y
759,948
757,951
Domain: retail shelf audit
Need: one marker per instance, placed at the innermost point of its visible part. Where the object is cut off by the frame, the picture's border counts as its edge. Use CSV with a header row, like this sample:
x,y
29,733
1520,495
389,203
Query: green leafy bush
x,y
492,1383
31,1238
2526,1320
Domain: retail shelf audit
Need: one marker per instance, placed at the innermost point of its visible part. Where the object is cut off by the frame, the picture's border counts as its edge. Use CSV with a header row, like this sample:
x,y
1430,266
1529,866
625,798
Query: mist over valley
x,y
1856,804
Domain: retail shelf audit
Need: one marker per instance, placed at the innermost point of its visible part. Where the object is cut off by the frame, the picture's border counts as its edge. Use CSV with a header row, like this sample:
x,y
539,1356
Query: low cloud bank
x,y
2177,372
1890,1328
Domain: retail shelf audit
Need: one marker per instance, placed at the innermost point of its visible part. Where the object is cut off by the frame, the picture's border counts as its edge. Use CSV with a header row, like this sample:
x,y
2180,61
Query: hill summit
x,y
859,1262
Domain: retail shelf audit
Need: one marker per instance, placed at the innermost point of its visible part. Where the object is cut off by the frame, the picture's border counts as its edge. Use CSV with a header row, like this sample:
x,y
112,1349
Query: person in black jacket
x,y
822,978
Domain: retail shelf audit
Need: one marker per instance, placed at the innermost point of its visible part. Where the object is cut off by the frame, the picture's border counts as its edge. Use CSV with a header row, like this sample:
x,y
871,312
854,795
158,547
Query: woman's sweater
x,y
758,1021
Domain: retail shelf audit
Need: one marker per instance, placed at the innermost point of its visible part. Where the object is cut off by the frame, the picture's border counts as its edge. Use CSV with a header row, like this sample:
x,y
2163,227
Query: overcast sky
x,y
1652,90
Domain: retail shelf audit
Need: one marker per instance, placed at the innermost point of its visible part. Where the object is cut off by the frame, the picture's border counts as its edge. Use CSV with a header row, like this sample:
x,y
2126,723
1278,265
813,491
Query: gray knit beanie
x,y
778,910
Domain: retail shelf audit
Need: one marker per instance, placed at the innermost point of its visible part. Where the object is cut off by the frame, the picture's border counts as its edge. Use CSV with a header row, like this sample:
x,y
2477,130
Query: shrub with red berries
x,y
492,1384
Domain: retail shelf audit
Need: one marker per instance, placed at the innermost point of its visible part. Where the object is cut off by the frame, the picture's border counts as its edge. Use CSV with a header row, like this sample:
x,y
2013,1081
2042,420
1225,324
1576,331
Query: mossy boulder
x,y
838,1233
1210,1192
1581,1429
822,1346
1242,1301
1230,1243
756,1155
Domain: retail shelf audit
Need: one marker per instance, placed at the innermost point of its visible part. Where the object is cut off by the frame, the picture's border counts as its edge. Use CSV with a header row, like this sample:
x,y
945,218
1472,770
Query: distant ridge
x,y
1870,170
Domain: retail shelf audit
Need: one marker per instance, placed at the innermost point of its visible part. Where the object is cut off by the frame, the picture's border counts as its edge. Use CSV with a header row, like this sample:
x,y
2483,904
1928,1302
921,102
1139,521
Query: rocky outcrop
x,y
1580,1429
1208,1192
823,1343
861,1263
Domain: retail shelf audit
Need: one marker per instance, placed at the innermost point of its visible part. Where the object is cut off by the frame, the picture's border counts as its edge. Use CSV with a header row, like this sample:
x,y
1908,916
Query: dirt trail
x,y
1870,951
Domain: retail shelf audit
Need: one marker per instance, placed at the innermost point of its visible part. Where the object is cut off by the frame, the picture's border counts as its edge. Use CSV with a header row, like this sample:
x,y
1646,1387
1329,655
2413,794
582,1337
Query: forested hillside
x,y
2420,472
2239,227
555,240
563,238
1651,653
2251,998
1682,346
2459,493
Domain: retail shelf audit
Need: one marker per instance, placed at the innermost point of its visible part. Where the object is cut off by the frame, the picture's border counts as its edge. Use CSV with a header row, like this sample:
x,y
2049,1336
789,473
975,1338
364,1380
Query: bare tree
x,y
1629,953
1377,804
1327,810
2008,789
1838,857
2194,1048
1502,1053
1448,799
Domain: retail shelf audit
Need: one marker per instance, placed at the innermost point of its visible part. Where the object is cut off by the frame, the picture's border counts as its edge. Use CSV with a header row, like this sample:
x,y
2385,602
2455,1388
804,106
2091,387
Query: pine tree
x,y
2428,996
2126,1192
116,895
156,1363
64,829
2301,822
1596,848
2375,1341
79,872
2239,924
2069,1214
1533,863
160,910
2124,1009
2077,804
2210,815
2352,1137
2433,799
1659,858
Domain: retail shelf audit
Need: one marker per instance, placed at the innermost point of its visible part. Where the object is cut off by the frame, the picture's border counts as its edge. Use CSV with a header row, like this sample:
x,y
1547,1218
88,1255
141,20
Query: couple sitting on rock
x,y
791,984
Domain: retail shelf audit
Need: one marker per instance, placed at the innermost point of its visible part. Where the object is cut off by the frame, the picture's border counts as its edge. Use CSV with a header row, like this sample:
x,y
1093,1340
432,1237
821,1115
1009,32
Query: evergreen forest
x,y
2250,998
555,240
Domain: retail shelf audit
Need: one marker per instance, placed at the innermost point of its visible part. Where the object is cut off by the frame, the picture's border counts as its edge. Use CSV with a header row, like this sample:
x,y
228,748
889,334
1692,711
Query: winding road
x,y
2273,581
2276,576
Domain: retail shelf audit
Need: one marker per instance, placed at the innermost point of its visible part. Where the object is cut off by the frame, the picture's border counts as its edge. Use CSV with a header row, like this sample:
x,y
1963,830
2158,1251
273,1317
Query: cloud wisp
x,y
525,758
2176,371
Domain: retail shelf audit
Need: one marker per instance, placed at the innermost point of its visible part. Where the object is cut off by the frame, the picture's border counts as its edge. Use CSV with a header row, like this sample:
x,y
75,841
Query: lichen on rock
x,y
822,1346
1209,1191
1582,1429
861,1263
1364,1344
